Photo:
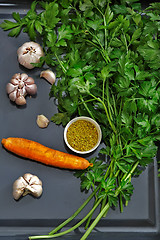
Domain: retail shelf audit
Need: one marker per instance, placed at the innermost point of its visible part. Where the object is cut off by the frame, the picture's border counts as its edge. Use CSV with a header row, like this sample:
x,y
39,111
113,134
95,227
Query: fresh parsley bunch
x,y
107,59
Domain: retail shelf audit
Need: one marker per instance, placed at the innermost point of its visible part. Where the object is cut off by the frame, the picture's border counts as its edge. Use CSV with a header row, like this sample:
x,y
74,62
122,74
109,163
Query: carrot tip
x,y
3,141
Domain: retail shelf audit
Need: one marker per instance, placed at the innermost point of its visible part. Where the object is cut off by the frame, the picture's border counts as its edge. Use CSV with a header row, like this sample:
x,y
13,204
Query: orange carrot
x,y
38,152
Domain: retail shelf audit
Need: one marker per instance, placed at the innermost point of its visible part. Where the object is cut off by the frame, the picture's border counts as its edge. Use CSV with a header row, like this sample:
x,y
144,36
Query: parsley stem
x,y
90,217
104,202
98,218
70,229
84,103
114,104
103,52
104,20
107,172
105,32
109,105
106,208
104,80
99,11
120,196
106,111
132,170
100,188
106,58
108,117
92,44
76,213
60,62
112,167
125,41
116,174
96,38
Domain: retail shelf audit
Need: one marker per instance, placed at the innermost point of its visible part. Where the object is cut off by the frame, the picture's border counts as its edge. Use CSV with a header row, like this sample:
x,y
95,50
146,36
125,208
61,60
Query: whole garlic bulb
x,y
29,52
28,184
19,86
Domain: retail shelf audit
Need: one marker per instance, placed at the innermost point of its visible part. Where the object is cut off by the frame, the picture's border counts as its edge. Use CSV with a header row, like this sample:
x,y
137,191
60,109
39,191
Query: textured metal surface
x,y
62,195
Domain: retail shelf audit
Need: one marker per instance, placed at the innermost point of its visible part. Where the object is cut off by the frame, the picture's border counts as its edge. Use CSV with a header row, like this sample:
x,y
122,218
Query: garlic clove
x,y
14,81
10,88
17,194
36,190
20,100
31,89
24,77
16,76
21,92
24,91
27,177
33,180
29,80
42,121
49,76
21,84
19,187
13,96
35,185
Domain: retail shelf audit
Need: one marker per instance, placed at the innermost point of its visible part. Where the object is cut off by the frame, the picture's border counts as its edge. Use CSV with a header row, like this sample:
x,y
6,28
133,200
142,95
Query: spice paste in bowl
x,y
82,135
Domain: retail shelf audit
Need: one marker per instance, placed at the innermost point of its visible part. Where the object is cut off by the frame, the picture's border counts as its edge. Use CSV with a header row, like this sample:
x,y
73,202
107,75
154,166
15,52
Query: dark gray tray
x,y
62,195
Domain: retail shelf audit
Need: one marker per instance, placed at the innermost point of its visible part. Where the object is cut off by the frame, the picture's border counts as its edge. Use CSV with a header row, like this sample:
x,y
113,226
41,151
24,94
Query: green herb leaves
x,y
49,16
15,26
60,118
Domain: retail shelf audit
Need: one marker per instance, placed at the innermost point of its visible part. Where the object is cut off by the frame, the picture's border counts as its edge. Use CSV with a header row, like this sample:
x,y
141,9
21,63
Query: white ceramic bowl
x,y
89,120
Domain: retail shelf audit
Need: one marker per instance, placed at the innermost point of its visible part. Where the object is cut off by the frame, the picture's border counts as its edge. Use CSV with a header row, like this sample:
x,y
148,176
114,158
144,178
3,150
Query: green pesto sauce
x,y
82,135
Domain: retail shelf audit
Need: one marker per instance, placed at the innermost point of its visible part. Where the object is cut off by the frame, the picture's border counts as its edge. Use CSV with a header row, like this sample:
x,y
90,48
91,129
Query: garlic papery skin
x,y
31,89
20,100
49,76
19,187
42,121
34,184
29,52
13,96
28,184
19,86
10,87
